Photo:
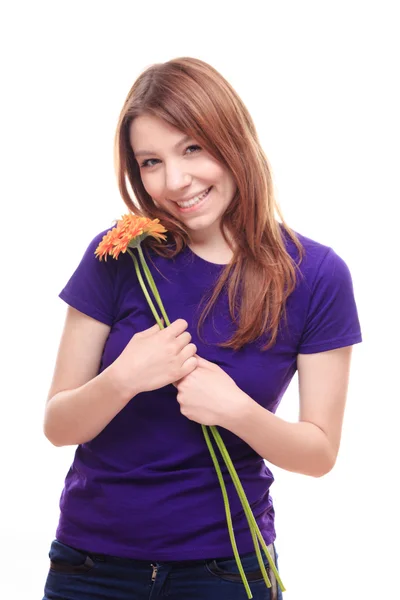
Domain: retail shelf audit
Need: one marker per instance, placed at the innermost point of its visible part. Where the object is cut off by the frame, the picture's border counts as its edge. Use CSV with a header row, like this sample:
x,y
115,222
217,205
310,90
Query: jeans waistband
x,y
173,563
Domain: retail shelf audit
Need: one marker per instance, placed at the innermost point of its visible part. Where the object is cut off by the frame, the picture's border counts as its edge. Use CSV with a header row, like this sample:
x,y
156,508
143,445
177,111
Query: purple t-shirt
x,y
146,487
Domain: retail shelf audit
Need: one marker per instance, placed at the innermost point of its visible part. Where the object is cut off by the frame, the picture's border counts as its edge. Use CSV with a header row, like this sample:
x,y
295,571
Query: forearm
x,y
79,415
298,447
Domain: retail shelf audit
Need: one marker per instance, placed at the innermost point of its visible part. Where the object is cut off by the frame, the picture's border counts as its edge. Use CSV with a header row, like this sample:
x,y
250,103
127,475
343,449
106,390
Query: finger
x,y
183,340
176,328
202,362
187,352
150,331
188,366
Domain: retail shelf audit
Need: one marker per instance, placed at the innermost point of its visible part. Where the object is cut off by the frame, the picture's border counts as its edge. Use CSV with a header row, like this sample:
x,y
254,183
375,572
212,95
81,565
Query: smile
x,y
189,204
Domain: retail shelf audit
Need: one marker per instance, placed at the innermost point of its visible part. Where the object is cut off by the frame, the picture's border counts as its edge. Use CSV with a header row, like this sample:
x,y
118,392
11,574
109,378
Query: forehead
x,y
149,132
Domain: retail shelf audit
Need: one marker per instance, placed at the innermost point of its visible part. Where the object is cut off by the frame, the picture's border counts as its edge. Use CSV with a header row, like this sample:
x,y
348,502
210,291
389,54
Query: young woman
x,y
250,302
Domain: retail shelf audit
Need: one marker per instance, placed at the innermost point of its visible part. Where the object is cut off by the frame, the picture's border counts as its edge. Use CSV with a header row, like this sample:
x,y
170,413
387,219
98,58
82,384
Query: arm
x,y
311,445
80,402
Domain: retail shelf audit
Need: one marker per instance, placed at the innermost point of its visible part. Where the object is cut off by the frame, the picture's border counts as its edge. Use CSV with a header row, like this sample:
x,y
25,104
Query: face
x,y
181,177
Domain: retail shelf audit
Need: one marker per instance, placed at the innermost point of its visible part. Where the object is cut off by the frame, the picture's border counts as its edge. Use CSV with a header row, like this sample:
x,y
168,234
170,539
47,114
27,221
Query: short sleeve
x,y
332,317
91,289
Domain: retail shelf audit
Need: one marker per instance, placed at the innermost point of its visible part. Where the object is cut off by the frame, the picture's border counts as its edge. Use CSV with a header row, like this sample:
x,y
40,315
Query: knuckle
x,y
184,410
175,373
173,346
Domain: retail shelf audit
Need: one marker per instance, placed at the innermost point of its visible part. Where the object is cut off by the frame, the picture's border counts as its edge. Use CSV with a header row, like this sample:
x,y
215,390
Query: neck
x,y
213,249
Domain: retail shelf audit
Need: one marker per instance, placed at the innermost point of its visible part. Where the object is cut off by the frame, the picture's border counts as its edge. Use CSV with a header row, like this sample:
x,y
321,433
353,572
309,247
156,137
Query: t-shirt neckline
x,y
203,261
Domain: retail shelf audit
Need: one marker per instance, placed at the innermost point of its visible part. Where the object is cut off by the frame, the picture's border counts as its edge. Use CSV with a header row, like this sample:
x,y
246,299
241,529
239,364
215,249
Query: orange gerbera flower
x,y
155,229
129,231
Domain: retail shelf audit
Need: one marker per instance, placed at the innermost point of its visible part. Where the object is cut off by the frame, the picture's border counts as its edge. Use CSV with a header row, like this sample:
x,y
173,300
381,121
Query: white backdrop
x,y
320,80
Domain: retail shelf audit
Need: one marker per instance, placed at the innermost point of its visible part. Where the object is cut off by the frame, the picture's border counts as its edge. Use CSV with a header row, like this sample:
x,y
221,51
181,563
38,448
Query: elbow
x,y
52,436
324,464
56,435
53,441
59,441
50,430
321,472
56,444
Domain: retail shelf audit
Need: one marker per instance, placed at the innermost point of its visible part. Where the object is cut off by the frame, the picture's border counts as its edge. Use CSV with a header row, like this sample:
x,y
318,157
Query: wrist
x,y
121,386
242,409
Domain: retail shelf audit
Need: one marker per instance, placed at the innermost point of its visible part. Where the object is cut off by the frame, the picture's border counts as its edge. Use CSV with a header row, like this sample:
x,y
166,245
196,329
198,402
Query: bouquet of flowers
x,y
127,236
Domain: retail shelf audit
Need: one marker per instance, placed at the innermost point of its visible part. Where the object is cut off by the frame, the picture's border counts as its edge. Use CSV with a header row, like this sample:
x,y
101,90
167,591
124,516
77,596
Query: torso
x,y
145,487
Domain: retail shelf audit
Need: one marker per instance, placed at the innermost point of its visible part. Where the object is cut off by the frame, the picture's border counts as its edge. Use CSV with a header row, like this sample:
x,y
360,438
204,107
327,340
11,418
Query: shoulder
x,y
320,261
93,271
314,251
108,262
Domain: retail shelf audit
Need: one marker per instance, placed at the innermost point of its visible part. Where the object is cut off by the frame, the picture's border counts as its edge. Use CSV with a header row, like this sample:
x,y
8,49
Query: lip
x,y
196,206
192,196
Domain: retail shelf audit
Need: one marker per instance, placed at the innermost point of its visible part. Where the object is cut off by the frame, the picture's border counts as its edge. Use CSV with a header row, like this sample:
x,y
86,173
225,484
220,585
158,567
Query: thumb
x,y
203,362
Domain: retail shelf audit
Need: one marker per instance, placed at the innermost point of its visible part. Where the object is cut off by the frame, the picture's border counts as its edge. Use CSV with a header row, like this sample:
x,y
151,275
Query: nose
x,y
176,178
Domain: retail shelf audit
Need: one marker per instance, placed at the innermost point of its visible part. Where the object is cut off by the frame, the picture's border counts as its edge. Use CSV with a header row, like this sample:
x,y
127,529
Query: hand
x,y
209,396
154,358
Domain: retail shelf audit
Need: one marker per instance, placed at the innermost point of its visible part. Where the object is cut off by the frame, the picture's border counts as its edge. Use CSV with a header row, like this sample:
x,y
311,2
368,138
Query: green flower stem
x,y
152,284
243,498
227,511
146,293
156,294
246,506
254,530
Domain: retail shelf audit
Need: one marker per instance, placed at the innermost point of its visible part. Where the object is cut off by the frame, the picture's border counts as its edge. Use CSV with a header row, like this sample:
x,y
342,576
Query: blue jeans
x,y
79,575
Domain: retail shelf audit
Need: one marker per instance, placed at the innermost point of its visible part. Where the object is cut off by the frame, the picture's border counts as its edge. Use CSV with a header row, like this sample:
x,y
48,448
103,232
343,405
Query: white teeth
x,y
194,200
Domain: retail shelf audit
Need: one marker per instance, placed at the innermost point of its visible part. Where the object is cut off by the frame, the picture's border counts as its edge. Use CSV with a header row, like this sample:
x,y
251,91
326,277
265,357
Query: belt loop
x,y
98,557
274,583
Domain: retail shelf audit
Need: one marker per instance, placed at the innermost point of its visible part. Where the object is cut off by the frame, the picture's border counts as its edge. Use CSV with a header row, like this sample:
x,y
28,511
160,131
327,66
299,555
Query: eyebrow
x,y
186,138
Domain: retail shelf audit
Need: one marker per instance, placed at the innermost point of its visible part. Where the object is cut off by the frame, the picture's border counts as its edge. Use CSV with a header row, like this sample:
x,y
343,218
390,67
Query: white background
x,y
320,80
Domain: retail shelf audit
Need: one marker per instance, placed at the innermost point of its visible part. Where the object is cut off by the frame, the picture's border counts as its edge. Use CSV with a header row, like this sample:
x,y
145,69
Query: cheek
x,y
151,185
215,173
233,186
229,185
221,176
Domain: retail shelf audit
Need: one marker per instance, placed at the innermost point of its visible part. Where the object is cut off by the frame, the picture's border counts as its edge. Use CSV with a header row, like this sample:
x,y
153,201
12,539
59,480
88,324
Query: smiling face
x,y
181,177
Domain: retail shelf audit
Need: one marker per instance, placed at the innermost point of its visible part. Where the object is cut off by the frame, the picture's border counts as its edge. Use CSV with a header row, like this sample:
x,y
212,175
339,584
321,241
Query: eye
x,y
197,148
147,163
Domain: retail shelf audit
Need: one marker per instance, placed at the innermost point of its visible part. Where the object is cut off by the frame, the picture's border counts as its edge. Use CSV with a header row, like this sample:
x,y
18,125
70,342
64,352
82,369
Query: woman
x,y
250,302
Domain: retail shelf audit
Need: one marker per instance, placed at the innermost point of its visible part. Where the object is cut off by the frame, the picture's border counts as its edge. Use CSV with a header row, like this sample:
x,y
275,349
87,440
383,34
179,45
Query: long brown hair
x,y
193,97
